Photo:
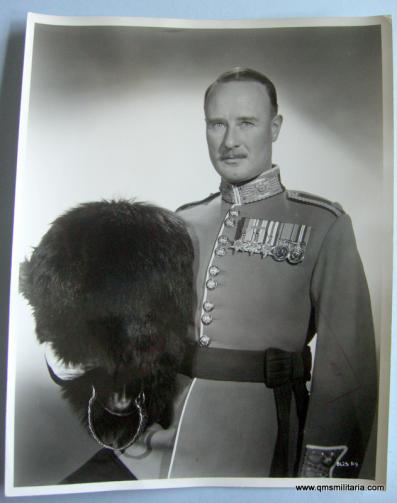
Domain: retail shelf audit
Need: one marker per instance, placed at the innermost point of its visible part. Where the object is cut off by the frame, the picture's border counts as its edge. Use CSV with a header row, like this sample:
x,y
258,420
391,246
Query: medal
x,y
279,240
280,253
295,255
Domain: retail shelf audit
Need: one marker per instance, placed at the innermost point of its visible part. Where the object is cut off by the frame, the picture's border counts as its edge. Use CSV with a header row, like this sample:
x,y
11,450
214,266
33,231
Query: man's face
x,y
240,130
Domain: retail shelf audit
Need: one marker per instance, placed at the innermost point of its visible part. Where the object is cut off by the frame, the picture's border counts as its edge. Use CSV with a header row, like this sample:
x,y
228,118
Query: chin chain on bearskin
x,y
139,403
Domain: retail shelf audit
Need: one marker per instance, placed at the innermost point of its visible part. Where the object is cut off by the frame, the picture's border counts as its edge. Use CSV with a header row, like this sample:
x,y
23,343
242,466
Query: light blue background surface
x,y
12,23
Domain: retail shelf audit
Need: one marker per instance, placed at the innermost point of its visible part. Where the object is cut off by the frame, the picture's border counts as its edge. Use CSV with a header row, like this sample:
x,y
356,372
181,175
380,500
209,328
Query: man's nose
x,y
230,140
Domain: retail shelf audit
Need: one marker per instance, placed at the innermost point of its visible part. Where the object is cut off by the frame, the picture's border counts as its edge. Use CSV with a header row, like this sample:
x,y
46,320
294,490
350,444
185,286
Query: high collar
x,y
265,185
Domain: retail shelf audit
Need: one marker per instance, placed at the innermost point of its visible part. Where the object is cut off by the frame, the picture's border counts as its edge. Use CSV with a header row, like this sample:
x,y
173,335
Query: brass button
x,y
204,341
208,306
214,270
223,240
211,284
206,318
220,252
234,213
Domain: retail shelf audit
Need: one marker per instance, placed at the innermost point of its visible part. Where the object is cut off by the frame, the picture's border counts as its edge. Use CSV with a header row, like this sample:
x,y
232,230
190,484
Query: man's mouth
x,y
232,157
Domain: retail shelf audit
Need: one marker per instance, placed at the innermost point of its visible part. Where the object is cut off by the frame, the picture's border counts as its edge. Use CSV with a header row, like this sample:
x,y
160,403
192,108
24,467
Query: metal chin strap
x,y
139,404
62,374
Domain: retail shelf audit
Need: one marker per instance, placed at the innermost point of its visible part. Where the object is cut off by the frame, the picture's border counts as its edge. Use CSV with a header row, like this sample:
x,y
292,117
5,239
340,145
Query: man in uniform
x,y
273,269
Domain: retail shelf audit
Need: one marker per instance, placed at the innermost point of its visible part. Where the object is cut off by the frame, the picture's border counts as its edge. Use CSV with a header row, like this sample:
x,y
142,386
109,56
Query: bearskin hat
x,y
110,285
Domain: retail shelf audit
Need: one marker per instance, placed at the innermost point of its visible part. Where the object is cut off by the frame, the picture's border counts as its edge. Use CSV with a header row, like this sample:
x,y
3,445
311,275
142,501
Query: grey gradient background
x,y
12,23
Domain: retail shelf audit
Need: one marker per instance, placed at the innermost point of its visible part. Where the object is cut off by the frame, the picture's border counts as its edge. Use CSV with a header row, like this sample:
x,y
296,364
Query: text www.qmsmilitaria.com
x,y
339,487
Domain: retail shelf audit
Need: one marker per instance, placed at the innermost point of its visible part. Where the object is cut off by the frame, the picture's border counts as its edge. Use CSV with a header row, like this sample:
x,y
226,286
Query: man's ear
x,y
276,126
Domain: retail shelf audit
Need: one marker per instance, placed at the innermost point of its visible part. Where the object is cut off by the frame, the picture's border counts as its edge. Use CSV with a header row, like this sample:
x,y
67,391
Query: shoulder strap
x,y
196,203
306,198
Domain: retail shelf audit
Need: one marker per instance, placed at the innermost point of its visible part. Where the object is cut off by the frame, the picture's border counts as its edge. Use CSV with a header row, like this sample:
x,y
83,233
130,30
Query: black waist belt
x,y
224,364
283,371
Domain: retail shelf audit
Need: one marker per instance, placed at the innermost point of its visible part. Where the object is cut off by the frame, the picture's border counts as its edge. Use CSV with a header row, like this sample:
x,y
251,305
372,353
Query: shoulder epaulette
x,y
195,203
306,198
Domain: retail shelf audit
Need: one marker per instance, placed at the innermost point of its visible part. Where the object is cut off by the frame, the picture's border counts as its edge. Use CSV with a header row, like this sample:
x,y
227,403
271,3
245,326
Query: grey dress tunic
x,y
273,269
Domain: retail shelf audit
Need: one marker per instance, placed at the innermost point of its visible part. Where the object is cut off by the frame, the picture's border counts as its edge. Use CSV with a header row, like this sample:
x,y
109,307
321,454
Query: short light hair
x,y
239,74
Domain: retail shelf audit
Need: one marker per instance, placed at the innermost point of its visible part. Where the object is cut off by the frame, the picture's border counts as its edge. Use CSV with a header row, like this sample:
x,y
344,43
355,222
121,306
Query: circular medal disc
x,y
280,253
295,255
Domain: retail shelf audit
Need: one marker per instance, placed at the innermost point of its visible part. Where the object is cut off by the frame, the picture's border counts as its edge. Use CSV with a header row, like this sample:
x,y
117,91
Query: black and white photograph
x,y
202,254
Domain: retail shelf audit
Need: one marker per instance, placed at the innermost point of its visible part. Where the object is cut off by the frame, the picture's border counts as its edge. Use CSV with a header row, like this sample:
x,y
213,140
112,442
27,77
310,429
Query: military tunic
x,y
273,269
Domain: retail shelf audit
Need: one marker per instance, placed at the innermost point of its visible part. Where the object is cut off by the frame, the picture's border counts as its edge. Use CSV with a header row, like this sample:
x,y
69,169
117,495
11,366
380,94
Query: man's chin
x,y
236,178
232,174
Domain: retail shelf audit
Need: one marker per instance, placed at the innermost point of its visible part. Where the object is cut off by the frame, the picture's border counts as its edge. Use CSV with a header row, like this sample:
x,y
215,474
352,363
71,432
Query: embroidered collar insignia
x,y
266,185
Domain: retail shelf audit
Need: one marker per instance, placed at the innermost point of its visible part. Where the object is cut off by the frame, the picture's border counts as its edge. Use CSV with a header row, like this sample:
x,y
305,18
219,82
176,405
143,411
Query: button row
x,y
211,283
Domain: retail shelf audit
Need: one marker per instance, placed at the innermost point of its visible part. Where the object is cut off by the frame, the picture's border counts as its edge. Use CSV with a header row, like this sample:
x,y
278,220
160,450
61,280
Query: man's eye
x,y
246,124
216,125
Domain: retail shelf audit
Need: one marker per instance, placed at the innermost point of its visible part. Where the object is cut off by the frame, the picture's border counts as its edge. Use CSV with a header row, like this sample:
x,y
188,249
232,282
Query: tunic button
x,y
214,270
223,240
211,284
204,341
206,318
220,252
234,213
229,222
208,306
